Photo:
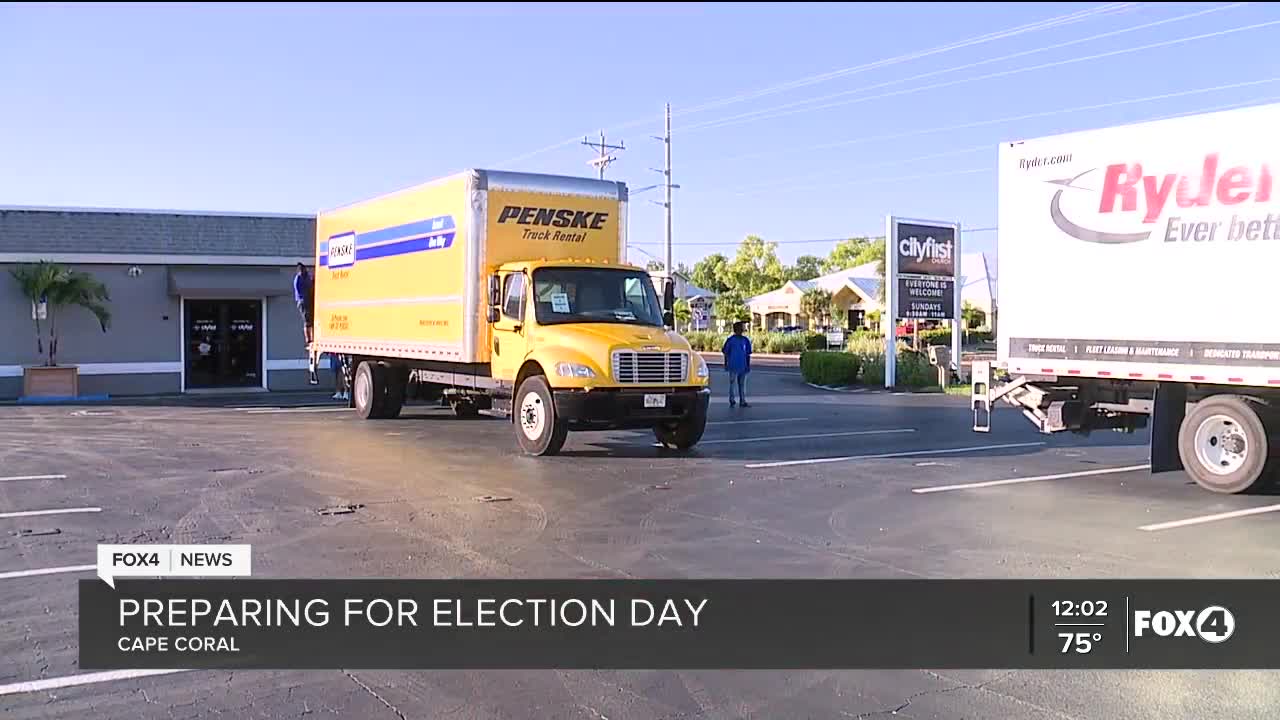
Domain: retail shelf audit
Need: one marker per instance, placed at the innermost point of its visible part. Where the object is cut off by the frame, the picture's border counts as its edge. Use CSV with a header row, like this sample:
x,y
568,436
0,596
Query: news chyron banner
x,y
234,622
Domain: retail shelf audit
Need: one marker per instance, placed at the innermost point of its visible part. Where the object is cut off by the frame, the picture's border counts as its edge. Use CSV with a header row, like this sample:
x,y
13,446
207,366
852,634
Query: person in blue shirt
x,y
737,362
304,296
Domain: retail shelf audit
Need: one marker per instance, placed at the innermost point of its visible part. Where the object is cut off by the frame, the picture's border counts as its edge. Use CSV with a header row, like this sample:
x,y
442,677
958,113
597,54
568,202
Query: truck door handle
x,y
496,347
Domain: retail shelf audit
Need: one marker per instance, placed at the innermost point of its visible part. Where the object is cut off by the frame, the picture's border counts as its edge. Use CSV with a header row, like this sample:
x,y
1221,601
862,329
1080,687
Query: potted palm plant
x,y
51,288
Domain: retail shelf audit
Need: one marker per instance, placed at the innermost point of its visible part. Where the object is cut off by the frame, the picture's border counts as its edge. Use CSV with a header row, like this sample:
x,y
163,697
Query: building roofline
x,y
146,211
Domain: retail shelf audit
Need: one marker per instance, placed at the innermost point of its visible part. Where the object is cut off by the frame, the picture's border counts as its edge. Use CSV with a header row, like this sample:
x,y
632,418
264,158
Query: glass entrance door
x,y
224,343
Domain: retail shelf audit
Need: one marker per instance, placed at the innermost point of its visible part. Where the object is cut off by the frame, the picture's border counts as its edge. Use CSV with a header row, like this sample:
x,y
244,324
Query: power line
x,y
786,184
963,231
1049,23
1014,71
773,112
1069,18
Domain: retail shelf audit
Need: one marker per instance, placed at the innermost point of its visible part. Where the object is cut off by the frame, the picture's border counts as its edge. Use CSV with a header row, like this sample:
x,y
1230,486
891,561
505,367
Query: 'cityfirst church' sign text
x,y
926,271
922,280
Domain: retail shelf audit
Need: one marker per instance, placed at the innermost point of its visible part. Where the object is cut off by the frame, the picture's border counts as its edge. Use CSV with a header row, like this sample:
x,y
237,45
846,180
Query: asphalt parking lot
x,y
805,483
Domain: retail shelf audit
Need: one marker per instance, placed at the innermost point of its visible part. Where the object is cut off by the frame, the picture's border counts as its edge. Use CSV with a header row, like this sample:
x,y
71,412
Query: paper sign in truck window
x,y
560,302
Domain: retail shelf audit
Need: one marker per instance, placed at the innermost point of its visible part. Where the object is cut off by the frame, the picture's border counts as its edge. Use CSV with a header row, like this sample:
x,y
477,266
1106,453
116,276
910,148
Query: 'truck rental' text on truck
x,y
506,293
1139,279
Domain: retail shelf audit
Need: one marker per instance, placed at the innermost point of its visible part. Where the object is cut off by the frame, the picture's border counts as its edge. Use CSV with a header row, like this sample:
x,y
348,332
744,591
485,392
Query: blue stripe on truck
x,y
431,234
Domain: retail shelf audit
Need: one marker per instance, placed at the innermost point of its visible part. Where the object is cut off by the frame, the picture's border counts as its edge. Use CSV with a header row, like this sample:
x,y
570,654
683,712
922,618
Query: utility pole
x,y
667,176
604,159
668,187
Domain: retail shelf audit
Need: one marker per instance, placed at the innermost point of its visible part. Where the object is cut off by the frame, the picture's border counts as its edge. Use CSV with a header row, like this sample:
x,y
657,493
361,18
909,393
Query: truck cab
x,y
586,345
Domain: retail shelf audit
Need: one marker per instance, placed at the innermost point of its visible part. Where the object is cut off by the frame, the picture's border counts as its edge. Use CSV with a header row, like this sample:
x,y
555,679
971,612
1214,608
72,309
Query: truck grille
x,y
630,366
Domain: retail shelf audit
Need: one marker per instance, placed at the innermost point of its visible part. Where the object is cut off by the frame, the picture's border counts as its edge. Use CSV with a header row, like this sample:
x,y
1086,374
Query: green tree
x,y
730,307
683,313
755,269
683,269
706,273
816,304
654,266
807,267
60,287
974,316
873,319
847,254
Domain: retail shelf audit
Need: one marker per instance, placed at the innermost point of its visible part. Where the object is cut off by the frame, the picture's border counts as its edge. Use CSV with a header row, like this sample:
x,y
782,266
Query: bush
x,y
705,340
761,342
865,344
914,371
835,369
936,336
873,370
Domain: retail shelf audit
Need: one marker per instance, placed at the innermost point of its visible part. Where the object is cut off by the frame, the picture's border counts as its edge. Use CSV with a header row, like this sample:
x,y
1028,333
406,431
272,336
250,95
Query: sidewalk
x,y
715,358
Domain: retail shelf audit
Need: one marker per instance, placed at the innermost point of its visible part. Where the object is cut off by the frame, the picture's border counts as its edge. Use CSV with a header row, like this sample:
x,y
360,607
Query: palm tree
x,y
816,304
59,287
683,313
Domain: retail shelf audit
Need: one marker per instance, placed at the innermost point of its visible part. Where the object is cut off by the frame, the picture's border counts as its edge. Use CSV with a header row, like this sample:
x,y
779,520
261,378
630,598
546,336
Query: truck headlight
x,y
702,367
565,369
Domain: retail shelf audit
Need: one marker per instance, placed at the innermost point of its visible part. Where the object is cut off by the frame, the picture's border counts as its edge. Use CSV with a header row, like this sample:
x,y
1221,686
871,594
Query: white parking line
x,y
16,478
908,453
59,511
275,411
82,679
748,422
46,571
1210,518
1036,478
810,435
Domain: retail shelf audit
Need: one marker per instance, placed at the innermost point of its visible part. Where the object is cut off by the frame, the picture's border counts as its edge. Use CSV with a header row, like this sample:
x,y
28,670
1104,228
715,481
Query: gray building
x,y
201,302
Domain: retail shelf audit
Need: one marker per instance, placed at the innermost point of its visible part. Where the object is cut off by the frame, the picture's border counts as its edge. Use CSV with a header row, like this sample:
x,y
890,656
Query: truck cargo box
x,y
1145,252
404,275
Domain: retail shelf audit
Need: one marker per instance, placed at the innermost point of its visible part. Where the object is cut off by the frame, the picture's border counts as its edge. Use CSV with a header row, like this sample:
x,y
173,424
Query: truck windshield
x,y
595,295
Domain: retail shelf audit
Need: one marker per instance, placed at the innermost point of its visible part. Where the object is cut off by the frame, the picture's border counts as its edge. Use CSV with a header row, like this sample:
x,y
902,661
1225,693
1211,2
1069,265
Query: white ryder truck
x,y
1138,281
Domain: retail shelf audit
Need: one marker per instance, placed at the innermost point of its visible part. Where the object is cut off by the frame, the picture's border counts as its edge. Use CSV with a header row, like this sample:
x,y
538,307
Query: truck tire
x,y
538,429
683,434
369,390
397,388
1223,444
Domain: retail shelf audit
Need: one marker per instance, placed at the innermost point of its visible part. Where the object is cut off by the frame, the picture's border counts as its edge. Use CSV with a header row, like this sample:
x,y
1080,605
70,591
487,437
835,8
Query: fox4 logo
x,y
1213,624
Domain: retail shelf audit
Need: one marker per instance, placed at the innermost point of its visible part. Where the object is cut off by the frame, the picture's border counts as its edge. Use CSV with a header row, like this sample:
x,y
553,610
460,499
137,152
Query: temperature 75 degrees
x,y
1078,642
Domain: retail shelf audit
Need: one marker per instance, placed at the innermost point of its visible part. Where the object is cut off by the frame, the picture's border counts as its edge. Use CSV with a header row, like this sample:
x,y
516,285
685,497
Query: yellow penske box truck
x,y
507,294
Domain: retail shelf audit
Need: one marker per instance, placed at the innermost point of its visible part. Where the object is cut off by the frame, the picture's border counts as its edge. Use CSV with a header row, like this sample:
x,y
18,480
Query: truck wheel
x,y
539,430
370,391
683,434
397,387
1223,444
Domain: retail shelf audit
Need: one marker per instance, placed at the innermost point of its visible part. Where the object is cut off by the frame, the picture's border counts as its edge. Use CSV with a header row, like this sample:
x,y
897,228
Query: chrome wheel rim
x,y
1221,445
533,416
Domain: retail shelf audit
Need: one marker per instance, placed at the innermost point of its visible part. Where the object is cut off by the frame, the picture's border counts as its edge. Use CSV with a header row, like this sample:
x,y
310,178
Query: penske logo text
x,y
553,217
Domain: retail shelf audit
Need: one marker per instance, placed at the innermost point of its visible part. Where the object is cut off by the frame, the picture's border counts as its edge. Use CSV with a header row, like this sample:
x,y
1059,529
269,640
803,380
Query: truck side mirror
x,y
495,290
669,295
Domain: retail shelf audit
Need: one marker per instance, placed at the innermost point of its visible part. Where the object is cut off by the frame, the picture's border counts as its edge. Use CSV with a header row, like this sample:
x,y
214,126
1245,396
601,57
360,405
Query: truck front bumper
x,y
613,408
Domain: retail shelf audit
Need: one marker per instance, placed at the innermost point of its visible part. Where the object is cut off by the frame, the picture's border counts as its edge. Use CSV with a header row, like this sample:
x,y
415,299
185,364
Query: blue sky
x,y
281,109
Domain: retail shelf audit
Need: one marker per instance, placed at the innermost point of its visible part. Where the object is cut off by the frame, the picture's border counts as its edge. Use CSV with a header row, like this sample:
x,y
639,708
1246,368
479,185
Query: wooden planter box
x,y
43,381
